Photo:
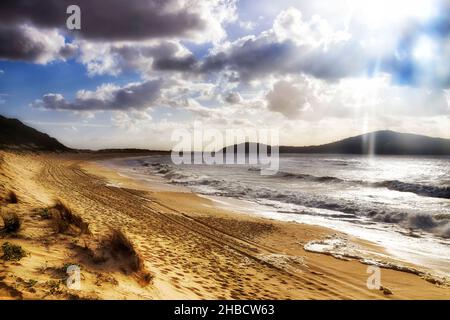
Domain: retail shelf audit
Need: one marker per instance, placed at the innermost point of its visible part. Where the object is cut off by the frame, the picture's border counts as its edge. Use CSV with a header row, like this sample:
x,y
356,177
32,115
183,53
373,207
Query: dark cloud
x,y
263,56
26,43
131,52
188,63
107,19
164,55
251,58
133,96
16,45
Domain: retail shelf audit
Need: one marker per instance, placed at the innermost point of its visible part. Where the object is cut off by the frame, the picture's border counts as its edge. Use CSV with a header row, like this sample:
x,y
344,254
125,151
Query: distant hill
x,y
16,135
379,142
132,150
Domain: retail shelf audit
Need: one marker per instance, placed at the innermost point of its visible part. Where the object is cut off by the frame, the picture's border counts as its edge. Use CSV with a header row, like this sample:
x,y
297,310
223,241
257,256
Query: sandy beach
x,y
190,248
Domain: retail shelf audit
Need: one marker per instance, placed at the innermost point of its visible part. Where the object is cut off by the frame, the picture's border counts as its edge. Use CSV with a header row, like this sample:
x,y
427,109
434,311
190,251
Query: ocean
x,y
399,202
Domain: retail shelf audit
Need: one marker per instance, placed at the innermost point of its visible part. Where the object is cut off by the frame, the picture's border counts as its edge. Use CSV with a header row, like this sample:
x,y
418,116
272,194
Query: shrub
x,y
11,222
12,252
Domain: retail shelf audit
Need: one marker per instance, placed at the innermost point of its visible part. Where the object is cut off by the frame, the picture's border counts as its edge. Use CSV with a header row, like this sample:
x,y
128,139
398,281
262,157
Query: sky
x,y
137,70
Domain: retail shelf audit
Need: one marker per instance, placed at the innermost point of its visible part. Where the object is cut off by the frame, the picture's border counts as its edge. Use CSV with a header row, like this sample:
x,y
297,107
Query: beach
x,y
192,247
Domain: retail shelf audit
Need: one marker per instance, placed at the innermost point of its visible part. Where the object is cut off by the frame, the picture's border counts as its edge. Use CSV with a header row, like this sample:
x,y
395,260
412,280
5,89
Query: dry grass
x,y
65,221
11,222
11,197
123,249
120,245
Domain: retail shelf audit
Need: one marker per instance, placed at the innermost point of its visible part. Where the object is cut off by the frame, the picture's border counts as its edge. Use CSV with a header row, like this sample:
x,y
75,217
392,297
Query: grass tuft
x,y
64,219
120,246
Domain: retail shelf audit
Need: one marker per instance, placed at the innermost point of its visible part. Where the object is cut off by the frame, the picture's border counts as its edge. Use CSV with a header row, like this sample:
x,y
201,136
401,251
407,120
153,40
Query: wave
x,y
288,175
419,189
438,225
180,177
338,208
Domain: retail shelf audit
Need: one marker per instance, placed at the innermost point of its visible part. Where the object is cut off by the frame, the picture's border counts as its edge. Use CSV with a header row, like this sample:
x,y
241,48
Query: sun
x,y
380,12
424,49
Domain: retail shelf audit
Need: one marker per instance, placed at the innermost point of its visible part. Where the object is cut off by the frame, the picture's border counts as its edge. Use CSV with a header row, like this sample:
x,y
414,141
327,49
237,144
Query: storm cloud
x,y
108,19
29,44
112,58
111,22
256,57
134,96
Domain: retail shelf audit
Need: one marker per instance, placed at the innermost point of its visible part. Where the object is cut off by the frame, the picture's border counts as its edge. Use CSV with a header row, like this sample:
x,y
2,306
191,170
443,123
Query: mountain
x,y
384,142
381,142
16,135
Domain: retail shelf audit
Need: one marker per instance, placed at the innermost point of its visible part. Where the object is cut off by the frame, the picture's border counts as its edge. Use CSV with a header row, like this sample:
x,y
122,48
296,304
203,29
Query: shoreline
x,y
376,253
194,249
392,243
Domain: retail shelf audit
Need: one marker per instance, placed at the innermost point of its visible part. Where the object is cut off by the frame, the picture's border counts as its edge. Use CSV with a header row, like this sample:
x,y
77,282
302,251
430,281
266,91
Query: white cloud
x,y
216,13
247,25
312,99
289,25
232,97
131,121
292,46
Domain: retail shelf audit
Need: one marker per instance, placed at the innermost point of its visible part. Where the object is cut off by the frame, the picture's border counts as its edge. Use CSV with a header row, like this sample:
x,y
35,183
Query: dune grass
x,y
121,247
64,219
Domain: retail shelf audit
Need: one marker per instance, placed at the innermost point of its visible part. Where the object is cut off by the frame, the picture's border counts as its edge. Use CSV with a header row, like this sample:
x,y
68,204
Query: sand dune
x,y
189,248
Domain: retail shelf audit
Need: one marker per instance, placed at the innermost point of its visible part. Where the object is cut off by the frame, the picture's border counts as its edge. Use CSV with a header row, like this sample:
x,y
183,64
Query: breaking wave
x,y
419,189
423,190
349,210
344,209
